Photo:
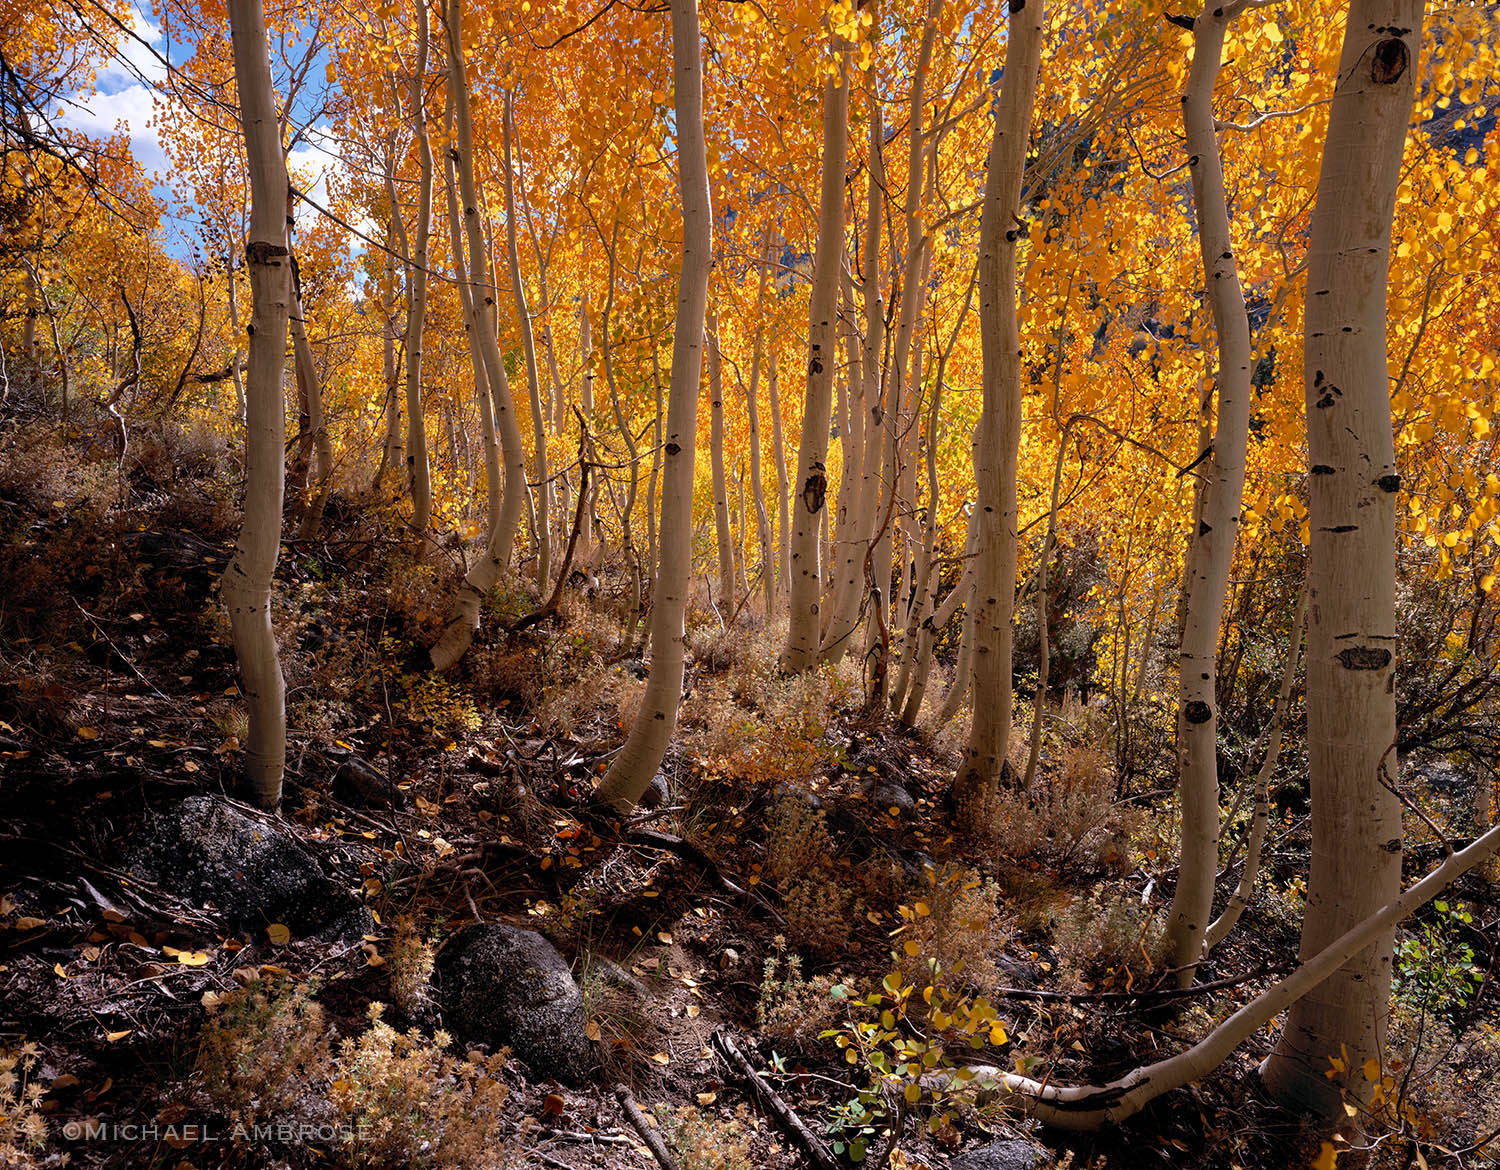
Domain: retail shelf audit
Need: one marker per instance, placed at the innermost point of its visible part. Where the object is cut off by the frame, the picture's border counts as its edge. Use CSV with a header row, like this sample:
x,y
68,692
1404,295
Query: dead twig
x,y
786,1117
638,1120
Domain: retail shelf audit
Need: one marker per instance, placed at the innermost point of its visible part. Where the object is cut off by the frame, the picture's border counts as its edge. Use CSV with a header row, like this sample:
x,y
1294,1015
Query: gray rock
x,y
886,795
359,782
657,794
248,864
1006,1154
500,985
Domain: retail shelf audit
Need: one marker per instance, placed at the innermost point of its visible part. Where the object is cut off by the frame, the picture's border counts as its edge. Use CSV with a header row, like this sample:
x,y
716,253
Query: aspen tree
x,y
1221,489
1351,634
418,464
803,626
528,348
783,484
631,771
246,587
1000,422
459,633
850,586
752,414
716,459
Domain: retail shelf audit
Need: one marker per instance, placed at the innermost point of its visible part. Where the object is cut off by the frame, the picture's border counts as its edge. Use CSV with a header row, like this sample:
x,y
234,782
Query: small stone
x,y
1006,1154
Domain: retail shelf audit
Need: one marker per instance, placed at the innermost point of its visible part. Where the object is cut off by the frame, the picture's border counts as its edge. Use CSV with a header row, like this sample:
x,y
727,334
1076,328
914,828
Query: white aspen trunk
x,y
528,346
234,353
631,771
1000,424
783,485
586,407
393,453
656,429
846,536
246,587
927,635
1351,638
627,439
418,461
482,400
803,627
866,510
1221,489
1261,818
963,666
317,426
459,633
1043,640
752,414
716,459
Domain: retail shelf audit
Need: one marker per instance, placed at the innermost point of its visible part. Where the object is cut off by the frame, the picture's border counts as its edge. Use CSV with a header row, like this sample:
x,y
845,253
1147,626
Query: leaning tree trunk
x,y
801,651
722,534
631,772
528,346
459,633
1219,496
246,587
1351,636
418,466
999,424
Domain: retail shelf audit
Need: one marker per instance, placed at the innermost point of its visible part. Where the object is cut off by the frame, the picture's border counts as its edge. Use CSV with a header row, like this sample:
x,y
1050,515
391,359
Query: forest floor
x,y
796,854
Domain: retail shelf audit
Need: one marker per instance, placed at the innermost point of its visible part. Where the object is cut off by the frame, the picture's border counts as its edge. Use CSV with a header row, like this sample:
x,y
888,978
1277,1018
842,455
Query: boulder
x,y
359,782
501,985
1006,1154
890,797
248,864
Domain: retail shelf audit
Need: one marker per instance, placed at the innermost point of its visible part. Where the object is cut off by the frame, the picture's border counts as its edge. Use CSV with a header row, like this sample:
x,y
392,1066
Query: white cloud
x,y
121,100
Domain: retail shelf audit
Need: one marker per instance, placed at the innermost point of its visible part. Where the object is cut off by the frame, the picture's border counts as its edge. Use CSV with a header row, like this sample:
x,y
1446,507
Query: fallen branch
x,y
550,606
688,851
637,1119
1090,1107
786,1117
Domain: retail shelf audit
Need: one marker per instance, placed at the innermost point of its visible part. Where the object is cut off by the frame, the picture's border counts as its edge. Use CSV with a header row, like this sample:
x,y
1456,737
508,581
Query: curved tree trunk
x,y
1220,491
459,632
999,425
528,347
1261,818
1351,637
632,769
802,639
722,535
246,587
1091,1107
418,463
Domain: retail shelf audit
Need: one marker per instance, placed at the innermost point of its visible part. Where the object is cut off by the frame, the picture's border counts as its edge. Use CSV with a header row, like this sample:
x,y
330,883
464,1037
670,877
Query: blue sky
x,y
124,99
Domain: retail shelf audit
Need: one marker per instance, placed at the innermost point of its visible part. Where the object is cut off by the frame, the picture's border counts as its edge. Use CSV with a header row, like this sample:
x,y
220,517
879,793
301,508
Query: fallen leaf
x,y
114,1036
707,1098
30,923
661,1058
88,733
279,934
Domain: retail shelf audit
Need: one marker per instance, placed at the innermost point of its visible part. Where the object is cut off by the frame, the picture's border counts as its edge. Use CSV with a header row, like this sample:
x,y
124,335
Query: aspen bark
x,y
631,771
850,592
246,587
393,452
1221,489
722,534
803,627
1000,423
752,415
1261,818
311,386
528,347
418,461
1351,637
459,633
783,485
